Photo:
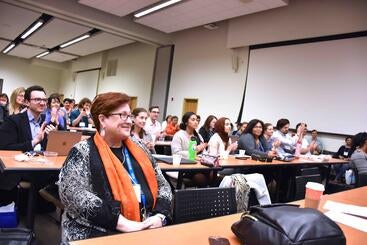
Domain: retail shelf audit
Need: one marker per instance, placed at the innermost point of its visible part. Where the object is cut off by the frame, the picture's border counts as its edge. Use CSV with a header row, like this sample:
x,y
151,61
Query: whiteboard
x,y
86,84
323,84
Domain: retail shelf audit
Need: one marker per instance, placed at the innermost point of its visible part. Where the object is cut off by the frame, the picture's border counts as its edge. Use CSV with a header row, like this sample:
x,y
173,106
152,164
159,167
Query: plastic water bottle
x,y
192,147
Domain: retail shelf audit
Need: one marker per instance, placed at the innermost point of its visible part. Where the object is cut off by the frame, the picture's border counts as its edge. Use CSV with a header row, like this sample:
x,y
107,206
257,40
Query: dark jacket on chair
x,y
15,133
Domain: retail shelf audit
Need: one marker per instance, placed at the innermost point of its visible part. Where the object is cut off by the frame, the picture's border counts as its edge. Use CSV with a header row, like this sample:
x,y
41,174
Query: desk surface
x,y
198,232
82,129
40,163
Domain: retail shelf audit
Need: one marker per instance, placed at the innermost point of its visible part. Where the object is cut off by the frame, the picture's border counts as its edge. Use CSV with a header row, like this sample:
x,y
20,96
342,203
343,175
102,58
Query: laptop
x,y
169,160
62,141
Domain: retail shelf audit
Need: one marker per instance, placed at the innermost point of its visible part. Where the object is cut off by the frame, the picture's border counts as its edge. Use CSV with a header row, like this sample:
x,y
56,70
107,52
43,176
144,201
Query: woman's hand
x,y
201,147
125,225
153,222
272,154
232,147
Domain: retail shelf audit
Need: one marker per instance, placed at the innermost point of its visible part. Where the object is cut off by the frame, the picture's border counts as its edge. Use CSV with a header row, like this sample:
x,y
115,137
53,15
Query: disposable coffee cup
x,y
242,152
82,124
313,194
176,159
224,155
90,125
153,138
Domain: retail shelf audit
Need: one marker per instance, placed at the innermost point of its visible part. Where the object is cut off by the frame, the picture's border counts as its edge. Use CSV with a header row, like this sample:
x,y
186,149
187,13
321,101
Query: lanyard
x,y
133,178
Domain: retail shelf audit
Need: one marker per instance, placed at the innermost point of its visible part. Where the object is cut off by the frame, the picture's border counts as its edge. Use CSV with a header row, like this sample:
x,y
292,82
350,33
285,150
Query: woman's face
x,y
269,130
175,121
348,142
140,119
257,130
212,123
227,126
3,101
20,98
86,106
192,123
118,123
55,103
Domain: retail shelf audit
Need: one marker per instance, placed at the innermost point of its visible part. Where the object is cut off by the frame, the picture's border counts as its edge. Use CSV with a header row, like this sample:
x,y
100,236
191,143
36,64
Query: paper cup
x,y
224,155
153,138
176,159
90,125
82,124
313,194
242,152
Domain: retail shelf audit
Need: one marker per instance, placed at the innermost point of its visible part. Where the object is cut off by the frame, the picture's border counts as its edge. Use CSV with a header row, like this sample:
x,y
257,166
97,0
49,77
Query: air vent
x,y
111,68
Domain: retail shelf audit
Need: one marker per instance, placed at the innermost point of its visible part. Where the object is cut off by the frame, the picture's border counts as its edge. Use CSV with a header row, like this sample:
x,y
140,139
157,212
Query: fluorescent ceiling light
x,y
43,54
78,39
33,29
156,7
10,47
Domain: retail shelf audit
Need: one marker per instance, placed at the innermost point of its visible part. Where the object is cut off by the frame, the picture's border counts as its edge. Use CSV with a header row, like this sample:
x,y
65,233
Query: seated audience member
x,y
344,152
181,140
198,118
253,141
4,107
173,126
207,130
99,180
287,144
241,129
220,143
140,116
301,129
359,156
53,113
316,147
24,131
68,107
82,114
152,125
166,122
268,135
17,101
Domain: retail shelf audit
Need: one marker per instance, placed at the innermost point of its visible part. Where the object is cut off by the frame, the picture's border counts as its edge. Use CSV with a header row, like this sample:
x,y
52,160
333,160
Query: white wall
x,y
19,72
202,69
300,19
134,71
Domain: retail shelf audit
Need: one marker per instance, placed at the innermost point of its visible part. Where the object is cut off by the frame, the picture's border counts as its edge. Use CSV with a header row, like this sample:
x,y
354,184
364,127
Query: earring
x,y
103,132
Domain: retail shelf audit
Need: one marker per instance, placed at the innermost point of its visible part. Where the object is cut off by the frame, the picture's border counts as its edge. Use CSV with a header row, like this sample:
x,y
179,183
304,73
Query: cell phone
x,y
217,240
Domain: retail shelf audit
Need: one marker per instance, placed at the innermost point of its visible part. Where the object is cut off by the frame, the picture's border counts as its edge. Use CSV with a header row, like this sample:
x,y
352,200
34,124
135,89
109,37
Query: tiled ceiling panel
x,y
14,20
3,44
58,57
118,7
96,44
56,32
25,51
193,13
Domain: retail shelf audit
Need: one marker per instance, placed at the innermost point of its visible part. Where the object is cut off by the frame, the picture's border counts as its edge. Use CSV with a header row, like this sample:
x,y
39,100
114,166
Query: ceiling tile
x,y
193,13
58,57
25,51
14,20
3,44
96,43
56,32
118,7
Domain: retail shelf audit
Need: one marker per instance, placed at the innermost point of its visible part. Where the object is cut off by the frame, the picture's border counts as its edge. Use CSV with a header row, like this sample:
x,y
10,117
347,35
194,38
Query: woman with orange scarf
x,y
110,183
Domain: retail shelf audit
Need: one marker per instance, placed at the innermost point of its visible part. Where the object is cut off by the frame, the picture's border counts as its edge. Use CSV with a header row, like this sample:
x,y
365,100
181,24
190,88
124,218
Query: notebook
x,y
169,160
62,141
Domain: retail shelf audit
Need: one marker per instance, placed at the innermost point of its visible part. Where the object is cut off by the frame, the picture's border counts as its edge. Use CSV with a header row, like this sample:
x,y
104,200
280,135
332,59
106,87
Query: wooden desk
x,y
82,129
198,232
163,143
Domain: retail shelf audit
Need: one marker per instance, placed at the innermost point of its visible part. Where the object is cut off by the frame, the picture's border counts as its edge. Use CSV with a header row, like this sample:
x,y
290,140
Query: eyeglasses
x,y
155,112
123,116
38,100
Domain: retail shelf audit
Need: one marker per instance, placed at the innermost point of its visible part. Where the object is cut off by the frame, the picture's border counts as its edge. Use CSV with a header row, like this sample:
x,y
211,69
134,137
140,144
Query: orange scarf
x,y
118,177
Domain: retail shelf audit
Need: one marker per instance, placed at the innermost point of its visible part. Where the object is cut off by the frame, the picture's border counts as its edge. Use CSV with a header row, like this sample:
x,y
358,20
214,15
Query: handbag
x,y
16,236
286,224
209,160
260,158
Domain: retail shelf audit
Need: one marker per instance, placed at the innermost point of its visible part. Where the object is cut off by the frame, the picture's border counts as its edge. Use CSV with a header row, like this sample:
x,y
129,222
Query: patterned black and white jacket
x,y
90,209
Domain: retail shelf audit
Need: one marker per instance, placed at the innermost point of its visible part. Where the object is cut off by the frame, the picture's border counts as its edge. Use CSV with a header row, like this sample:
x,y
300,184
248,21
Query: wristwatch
x,y
163,219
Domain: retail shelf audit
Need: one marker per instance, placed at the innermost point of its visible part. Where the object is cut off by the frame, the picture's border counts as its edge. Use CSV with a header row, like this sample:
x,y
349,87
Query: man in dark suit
x,y
25,131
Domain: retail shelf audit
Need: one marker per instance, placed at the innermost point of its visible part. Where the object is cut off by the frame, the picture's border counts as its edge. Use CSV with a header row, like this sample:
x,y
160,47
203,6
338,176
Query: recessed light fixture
x,y
78,39
10,47
32,29
155,8
43,54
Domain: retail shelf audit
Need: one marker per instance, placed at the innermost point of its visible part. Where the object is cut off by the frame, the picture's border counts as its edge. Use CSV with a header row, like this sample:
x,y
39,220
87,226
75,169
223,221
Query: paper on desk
x,y
8,208
346,208
349,220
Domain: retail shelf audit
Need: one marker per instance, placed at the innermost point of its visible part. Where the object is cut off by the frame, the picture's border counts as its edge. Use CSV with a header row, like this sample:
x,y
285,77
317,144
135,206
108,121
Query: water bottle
x,y
192,147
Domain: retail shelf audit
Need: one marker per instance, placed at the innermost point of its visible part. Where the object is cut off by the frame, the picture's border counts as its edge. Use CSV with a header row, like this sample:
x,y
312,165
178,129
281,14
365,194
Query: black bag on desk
x,y
287,224
16,236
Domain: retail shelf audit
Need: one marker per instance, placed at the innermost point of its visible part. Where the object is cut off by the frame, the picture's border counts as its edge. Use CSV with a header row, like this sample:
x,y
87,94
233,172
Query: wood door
x,y
133,103
190,105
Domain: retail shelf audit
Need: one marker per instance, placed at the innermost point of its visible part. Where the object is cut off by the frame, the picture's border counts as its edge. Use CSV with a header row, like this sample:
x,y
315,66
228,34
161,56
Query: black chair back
x,y
203,203
301,182
361,178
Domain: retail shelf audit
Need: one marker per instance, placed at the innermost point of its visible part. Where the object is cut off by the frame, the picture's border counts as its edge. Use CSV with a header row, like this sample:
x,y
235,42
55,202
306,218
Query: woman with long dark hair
x,y
220,143
137,129
207,130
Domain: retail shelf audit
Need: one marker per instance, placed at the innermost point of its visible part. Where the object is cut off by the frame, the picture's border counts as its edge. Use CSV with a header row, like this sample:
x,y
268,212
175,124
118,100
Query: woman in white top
x,y
137,129
220,143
